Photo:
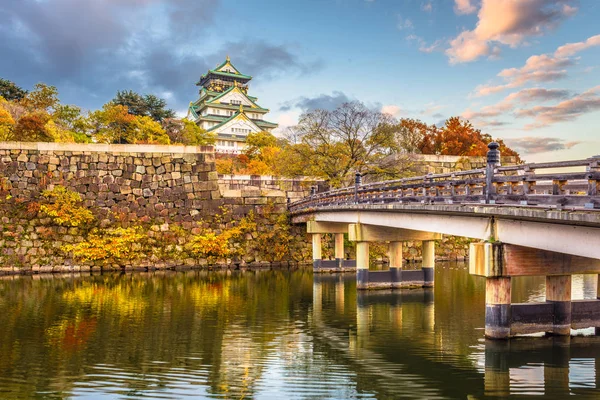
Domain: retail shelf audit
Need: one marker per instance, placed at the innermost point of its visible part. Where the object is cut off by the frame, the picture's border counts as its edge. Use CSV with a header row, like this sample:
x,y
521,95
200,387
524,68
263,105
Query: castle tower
x,y
224,107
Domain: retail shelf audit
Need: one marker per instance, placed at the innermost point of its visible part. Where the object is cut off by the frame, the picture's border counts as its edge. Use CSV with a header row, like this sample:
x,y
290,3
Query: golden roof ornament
x,y
241,108
227,58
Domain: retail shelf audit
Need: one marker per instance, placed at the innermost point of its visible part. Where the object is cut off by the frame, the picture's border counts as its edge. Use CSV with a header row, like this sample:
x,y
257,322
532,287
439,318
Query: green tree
x,y
68,118
148,105
10,91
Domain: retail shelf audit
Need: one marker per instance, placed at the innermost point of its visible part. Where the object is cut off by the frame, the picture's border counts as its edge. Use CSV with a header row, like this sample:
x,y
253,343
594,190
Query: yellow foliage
x,y
58,133
210,246
115,245
66,207
7,123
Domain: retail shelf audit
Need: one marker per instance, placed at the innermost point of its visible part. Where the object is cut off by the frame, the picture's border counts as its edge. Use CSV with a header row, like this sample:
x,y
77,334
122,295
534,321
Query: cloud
x,y
532,145
403,23
423,46
538,68
90,49
435,46
524,96
392,110
321,102
567,110
570,49
464,7
427,7
506,22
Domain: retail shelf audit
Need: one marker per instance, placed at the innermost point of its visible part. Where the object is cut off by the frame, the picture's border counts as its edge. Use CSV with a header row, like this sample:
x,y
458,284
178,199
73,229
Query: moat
x,y
277,334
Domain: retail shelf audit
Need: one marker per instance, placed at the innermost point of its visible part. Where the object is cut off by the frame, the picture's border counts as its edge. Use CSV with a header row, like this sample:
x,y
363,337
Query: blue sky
x,y
498,63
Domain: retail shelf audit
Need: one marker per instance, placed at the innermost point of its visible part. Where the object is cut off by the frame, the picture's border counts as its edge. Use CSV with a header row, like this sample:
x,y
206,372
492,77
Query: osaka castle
x,y
226,108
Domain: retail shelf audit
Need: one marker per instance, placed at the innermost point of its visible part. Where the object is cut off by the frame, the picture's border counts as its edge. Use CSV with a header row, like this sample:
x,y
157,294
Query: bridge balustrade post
x,y
362,265
428,254
493,159
357,183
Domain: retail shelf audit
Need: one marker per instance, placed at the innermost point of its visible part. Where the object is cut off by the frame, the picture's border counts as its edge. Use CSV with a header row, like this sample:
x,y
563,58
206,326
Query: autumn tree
x,y
336,144
11,91
42,98
112,124
32,128
7,124
458,137
144,106
188,132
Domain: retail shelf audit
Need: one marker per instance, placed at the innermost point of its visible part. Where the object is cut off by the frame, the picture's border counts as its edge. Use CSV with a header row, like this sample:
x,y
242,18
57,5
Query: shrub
x,y
116,246
65,207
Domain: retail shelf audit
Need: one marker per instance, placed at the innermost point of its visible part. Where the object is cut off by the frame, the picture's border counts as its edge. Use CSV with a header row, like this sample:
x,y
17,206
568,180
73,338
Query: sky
x,y
526,71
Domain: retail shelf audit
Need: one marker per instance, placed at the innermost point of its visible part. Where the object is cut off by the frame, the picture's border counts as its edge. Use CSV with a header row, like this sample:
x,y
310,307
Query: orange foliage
x,y
459,138
32,128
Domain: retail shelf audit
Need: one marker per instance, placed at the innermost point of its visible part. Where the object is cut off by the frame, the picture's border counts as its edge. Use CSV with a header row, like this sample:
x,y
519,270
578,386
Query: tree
x,y
410,134
187,132
148,105
146,130
256,141
32,128
69,120
42,98
458,137
112,124
10,91
7,124
336,144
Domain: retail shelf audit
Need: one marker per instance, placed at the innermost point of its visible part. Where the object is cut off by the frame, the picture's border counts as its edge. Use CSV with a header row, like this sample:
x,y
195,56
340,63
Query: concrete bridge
x,y
531,219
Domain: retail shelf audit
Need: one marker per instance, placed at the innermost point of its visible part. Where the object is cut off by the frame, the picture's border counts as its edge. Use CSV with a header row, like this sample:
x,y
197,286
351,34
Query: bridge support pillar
x,y
362,265
395,256
316,249
497,307
339,249
428,253
598,327
558,293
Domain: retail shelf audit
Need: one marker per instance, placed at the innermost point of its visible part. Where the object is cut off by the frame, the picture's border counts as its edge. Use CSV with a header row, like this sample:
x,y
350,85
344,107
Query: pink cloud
x,y
567,110
507,22
570,49
464,7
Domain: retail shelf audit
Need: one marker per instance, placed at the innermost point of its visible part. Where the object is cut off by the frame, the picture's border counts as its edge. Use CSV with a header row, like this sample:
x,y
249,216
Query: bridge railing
x,y
510,185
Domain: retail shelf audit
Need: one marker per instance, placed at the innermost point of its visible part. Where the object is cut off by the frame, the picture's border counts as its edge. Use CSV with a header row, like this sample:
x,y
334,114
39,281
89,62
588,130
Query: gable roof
x,y
238,114
225,63
232,88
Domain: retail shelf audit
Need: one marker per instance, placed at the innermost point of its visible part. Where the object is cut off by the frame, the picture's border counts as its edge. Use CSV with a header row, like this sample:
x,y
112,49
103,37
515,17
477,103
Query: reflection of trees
x,y
215,325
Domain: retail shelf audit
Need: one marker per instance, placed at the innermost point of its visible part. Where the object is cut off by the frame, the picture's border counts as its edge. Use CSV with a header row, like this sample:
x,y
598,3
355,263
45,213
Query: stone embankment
x,y
147,206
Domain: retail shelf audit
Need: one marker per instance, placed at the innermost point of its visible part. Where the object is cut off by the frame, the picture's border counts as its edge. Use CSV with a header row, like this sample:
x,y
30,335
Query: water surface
x,y
276,334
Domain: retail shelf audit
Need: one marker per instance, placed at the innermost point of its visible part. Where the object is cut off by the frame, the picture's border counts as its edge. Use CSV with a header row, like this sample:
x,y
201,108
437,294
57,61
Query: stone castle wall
x,y
162,183
162,188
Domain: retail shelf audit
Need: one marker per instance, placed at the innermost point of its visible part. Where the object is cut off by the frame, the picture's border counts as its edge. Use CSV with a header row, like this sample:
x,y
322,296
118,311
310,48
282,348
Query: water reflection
x,y
275,334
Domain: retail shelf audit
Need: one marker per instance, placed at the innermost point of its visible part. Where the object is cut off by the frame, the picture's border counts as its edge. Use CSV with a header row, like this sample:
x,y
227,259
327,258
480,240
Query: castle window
x,y
236,102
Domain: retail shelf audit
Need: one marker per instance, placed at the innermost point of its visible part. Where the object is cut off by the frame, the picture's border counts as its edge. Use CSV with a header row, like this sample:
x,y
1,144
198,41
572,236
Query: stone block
x,y
255,200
